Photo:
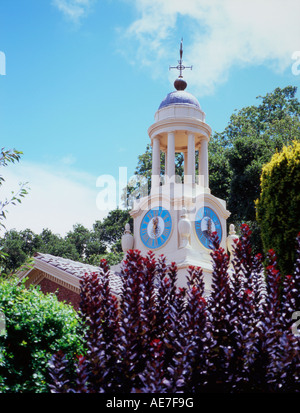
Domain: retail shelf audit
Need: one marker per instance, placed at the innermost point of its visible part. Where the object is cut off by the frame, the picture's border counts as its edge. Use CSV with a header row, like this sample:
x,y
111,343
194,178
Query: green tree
x,y
94,247
80,244
112,258
250,139
31,242
13,254
110,230
220,173
246,158
79,237
278,207
10,156
57,245
252,136
17,247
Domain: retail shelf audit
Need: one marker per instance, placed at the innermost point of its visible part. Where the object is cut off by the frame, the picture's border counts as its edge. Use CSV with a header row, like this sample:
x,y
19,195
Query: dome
x,y
179,97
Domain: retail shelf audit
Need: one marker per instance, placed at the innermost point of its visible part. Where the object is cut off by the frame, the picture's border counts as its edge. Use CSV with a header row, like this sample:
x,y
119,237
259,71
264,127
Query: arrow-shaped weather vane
x,y
180,66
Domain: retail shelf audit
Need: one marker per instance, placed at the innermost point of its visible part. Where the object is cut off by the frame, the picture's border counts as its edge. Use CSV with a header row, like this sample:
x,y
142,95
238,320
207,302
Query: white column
x,y
155,179
191,158
185,157
166,164
203,160
200,179
171,157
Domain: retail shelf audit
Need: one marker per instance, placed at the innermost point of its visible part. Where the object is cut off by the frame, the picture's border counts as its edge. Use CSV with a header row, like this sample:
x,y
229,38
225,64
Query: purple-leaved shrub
x,y
157,338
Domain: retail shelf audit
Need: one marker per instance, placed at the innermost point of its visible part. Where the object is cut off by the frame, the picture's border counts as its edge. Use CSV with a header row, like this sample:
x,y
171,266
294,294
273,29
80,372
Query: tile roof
x,y
77,269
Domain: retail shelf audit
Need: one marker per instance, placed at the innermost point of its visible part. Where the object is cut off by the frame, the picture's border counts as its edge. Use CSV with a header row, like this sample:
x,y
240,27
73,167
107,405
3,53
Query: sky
x,y
81,80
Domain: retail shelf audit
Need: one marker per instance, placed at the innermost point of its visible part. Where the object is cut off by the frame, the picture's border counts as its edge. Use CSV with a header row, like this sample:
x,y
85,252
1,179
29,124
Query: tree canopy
x,y
252,136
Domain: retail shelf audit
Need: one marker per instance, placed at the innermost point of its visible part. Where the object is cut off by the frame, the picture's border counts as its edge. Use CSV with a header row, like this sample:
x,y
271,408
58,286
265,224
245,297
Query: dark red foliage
x,y
58,368
158,338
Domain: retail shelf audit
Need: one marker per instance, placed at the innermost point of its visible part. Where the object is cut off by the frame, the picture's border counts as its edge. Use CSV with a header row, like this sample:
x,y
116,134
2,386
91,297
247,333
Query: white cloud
x,y
58,198
221,33
74,10
68,159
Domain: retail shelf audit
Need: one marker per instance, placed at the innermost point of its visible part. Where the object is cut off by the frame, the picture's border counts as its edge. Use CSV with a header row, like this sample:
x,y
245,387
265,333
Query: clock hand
x,y
155,223
209,226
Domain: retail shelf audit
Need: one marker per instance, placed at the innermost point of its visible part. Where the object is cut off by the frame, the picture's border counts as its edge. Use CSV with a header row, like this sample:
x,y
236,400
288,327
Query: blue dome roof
x,y
179,97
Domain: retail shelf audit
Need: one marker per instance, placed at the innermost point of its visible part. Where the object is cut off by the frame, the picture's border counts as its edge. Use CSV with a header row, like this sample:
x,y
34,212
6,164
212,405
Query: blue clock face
x,y
207,222
156,227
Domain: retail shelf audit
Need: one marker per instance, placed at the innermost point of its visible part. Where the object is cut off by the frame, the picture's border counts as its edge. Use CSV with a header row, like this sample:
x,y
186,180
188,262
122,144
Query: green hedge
x,y
278,208
36,325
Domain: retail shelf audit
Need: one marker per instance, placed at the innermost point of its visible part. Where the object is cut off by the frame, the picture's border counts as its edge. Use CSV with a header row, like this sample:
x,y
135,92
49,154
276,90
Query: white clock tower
x,y
178,215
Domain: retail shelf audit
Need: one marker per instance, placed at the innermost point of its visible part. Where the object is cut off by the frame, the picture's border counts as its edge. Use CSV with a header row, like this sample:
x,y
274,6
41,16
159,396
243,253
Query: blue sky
x,y
83,79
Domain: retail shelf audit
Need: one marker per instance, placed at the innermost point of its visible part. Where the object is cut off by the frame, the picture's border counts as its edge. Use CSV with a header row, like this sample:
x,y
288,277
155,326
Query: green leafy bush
x,y
278,207
36,325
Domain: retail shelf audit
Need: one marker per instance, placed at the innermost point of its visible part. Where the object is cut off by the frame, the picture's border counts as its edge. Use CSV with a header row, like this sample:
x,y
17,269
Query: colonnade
x,y
189,160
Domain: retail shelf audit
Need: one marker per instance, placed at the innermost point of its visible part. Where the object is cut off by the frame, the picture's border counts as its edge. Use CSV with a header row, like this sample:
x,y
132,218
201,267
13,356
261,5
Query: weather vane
x,y
180,66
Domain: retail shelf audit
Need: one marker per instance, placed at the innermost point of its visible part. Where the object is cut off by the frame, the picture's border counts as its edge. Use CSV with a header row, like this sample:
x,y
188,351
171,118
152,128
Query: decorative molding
x,y
172,125
65,278
62,283
36,278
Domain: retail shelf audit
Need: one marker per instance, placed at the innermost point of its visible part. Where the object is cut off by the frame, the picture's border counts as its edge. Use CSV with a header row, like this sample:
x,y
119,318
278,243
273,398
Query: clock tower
x,y
179,214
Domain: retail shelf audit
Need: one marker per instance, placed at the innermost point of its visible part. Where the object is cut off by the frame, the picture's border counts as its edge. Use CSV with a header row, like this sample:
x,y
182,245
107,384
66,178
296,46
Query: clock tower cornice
x,y
198,127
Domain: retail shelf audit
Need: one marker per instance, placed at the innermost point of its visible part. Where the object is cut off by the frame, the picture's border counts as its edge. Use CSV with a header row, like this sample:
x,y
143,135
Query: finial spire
x,y
179,83
181,50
